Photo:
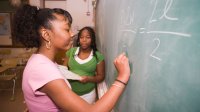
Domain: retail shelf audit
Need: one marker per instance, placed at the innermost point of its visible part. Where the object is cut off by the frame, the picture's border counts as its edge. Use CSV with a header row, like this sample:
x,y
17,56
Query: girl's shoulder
x,y
99,55
71,51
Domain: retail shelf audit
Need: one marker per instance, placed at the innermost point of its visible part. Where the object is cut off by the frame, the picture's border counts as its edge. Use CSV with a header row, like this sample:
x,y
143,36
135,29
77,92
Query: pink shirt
x,y
39,71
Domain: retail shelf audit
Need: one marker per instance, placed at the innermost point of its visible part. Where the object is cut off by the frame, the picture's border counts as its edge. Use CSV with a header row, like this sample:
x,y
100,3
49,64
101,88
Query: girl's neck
x,y
88,50
48,53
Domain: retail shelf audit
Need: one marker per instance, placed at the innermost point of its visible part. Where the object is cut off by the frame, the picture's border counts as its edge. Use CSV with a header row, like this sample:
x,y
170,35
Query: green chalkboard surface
x,y
162,40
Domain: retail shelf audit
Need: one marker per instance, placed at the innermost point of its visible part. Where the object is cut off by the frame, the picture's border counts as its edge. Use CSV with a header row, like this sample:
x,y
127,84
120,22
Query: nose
x,y
84,39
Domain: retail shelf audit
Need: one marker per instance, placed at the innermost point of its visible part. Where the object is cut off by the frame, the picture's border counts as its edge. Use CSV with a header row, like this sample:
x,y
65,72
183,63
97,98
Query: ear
x,y
45,34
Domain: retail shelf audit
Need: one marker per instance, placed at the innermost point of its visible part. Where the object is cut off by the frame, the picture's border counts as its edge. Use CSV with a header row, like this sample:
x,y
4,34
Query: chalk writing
x,y
128,30
173,33
128,23
127,19
151,17
166,9
142,30
152,53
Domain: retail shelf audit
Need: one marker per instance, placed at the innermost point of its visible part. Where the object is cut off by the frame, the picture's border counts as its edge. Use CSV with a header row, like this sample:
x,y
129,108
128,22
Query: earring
x,y
48,45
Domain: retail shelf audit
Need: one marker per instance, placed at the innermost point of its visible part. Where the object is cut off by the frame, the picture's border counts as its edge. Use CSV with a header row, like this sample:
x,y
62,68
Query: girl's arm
x,y
99,76
62,95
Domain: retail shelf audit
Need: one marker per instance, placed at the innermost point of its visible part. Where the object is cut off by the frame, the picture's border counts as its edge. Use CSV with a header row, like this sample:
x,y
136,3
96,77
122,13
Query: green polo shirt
x,y
86,69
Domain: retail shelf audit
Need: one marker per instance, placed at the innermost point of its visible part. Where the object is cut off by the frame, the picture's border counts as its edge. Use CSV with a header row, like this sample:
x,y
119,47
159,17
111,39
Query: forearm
x,y
107,102
96,78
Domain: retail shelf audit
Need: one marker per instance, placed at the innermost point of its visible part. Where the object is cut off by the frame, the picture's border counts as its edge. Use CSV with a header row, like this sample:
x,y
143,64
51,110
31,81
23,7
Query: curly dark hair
x,y
93,37
29,19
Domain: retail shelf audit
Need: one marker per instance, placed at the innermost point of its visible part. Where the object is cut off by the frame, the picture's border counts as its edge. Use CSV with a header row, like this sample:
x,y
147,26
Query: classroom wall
x,y
77,9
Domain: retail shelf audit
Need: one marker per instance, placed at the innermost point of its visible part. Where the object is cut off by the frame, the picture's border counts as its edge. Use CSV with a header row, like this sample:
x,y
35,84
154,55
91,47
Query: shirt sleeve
x,y
100,57
43,74
69,52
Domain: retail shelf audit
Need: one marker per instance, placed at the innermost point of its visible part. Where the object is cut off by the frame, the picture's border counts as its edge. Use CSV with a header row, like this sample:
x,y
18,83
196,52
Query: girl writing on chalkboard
x,y
44,87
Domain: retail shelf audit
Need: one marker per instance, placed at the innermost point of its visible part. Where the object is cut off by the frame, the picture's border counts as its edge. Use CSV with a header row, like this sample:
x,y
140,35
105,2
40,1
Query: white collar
x,y
81,61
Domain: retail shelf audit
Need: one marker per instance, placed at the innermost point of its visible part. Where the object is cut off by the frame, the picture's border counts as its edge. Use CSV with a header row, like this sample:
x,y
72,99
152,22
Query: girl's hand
x,y
122,65
84,79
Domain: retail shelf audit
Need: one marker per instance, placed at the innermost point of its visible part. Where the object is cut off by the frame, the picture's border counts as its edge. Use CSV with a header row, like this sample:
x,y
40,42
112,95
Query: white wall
x,y
35,2
77,9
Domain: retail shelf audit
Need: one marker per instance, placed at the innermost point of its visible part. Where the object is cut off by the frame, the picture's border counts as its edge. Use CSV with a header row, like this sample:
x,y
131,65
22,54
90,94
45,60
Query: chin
x,y
86,47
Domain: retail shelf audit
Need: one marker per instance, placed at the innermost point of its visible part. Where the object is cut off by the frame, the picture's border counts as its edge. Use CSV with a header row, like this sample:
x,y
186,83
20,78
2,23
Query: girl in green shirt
x,y
86,61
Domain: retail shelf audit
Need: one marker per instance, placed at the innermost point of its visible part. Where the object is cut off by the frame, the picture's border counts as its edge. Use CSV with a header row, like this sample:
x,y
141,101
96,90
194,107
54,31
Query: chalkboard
x,y
162,41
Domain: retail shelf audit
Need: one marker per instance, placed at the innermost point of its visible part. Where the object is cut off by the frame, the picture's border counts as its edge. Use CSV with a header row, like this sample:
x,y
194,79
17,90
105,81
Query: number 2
x,y
155,49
